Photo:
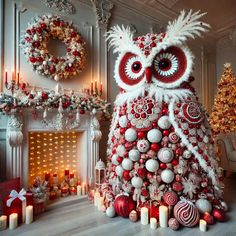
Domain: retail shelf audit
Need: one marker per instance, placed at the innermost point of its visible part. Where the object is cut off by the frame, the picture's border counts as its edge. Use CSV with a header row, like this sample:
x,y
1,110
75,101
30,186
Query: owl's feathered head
x,y
155,61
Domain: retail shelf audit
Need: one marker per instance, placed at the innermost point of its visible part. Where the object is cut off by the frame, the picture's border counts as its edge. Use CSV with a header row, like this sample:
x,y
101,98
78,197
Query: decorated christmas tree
x,y
160,156
223,116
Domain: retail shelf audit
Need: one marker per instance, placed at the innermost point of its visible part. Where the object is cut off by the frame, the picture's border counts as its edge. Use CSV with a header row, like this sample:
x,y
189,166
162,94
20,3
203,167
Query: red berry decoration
x,y
163,166
219,215
126,175
141,135
119,159
124,205
165,132
142,172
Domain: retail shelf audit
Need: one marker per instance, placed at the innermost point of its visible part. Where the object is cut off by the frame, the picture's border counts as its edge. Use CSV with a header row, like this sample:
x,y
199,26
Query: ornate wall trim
x,y
64,6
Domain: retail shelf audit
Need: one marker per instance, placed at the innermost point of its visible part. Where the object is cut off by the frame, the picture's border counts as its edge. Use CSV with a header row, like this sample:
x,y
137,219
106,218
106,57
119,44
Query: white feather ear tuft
x,y
120,38
185,26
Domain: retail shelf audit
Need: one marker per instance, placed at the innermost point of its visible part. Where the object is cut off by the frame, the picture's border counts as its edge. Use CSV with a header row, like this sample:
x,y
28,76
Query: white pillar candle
x,y
100,203
203,225
144,216
79,190
13,220
3,222
29,215
23,211
153,223
96,198
163,212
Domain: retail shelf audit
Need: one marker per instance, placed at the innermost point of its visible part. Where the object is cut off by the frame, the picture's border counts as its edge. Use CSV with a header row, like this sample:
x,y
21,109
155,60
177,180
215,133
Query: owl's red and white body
x,y
159,144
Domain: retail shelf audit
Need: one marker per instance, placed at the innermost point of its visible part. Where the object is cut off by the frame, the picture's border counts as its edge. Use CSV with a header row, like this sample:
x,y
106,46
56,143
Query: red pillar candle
x,y
67,172
72,175
6,77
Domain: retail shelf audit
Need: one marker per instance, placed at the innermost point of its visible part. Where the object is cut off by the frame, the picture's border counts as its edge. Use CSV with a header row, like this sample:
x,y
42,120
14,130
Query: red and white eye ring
x,y
134,69
166,64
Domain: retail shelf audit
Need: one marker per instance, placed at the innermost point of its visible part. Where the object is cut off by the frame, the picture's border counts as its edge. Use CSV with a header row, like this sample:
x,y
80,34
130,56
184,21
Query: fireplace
x,y
35,147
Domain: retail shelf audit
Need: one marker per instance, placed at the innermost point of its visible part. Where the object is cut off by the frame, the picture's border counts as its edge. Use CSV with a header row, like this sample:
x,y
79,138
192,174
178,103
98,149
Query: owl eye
x,y
169,65
131,70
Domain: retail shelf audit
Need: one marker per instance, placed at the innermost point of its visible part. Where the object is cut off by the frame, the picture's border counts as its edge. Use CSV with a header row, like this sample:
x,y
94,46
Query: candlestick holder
x,y
12,86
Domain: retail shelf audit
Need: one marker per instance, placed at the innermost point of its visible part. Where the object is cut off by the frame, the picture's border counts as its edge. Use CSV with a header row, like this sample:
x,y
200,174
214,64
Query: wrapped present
x,y
16,203
39,205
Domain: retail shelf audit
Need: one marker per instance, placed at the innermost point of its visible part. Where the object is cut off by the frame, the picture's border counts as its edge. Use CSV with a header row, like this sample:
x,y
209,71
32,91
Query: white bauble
x,y
152,165
164,122
127,164
110,211
154,136
187,154
123,121
56,77
137,182
119,170
134,155
120,150
143,145
167,176
130,135
114,159
224,205
203,205
165,155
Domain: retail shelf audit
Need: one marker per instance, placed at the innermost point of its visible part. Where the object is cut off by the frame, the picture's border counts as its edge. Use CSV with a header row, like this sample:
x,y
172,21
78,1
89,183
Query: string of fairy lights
x,y
53,153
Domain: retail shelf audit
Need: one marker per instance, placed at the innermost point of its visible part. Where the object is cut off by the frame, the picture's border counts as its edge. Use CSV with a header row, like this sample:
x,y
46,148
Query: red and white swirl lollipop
x,y
170,198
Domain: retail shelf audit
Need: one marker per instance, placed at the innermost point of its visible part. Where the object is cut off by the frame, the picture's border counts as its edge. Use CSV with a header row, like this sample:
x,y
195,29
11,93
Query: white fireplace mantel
x,y
17,144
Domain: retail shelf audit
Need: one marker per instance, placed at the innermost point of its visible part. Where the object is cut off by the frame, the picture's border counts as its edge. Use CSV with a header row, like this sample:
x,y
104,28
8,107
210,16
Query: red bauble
x,y
165,132
141,135
179,151
144,192
177,186
119,159
175,162
124,205
163,166
126,175
155,147
219,215
82,111
122,130
142,172
44,96
208,218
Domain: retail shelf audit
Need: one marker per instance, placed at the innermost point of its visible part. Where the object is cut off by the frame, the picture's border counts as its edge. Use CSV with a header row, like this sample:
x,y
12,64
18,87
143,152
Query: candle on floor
x,y
100,203
144,216
29,214
79,190
203,225
3,222
163,212
96,198
13,218
153,223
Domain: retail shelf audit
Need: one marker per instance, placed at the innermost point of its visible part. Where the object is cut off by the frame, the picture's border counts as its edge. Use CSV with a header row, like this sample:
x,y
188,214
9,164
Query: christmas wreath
x,y
34,43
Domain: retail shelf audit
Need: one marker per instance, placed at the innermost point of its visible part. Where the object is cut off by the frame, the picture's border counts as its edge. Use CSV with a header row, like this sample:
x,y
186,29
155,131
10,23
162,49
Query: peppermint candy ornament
x,y
134,155
165,155
170,198
154,136
173,137
164,122
152,165
186,213
143,145
130,135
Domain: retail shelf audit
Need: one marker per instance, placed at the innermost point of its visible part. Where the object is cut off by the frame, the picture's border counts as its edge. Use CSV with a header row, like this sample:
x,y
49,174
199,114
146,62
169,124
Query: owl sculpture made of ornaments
x,y
160,140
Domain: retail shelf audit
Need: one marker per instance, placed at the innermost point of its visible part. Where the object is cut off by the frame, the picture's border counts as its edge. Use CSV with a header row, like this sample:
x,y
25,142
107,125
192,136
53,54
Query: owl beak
x,y
148,73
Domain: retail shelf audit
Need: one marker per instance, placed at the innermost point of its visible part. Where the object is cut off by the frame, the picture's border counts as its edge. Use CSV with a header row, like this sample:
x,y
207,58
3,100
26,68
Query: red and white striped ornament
x,y
171,198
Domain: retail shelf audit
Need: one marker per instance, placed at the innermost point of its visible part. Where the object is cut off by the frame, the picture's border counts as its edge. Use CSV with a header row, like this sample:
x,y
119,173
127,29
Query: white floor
x,y
83,219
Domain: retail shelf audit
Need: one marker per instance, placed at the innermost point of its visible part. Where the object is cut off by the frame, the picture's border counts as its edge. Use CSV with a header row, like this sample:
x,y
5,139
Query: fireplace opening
x,y
55,154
